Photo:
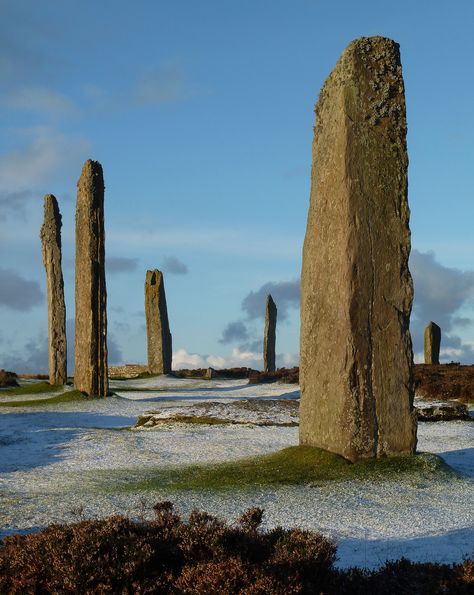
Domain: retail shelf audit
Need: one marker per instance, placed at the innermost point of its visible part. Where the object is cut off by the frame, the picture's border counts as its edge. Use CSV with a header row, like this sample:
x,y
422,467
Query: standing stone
x,y
51,249
209,374
157,325
356,288
269,335
90,373
432,343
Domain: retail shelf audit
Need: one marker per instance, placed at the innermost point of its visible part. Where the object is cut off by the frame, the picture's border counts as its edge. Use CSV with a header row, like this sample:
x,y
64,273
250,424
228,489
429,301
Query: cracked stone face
x,y
356,289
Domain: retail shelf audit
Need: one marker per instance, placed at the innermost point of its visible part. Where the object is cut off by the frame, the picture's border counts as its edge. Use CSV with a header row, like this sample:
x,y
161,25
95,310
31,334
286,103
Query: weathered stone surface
x,y
51,249
90,373
356,288
157,324
432,343
269,337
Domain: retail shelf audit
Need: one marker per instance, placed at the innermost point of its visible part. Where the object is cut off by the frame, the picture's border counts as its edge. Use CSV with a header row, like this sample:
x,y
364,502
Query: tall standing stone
x,y
432,343
157,324
90,373
269,336
356,288
51,249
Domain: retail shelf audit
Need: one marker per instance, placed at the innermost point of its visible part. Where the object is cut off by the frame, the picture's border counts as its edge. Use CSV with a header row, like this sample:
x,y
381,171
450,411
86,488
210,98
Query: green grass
x,y
290,466
67,397
32,388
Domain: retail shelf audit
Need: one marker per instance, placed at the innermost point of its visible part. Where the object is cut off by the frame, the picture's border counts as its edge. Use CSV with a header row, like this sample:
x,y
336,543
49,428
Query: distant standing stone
x,y
432,343
157,324
91,371
356,288
209,374
51,249
269,337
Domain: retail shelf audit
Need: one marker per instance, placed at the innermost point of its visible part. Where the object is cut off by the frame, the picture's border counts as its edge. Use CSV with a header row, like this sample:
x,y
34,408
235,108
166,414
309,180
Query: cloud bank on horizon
x,y
441,293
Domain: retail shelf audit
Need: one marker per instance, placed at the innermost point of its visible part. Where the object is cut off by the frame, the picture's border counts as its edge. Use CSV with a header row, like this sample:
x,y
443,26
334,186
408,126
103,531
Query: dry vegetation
x,y
445,381
200,556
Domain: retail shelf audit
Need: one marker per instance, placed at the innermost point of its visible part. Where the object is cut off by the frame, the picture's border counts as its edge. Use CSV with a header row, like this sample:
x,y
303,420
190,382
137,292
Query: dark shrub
x,y
203,556
8,378
166,555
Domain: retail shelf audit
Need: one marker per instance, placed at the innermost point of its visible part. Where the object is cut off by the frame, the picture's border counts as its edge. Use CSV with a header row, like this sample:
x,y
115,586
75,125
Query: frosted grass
x,y
50,457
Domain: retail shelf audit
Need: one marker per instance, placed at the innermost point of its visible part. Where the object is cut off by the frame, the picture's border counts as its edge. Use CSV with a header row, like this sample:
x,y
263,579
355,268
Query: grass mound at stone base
x,y
290,466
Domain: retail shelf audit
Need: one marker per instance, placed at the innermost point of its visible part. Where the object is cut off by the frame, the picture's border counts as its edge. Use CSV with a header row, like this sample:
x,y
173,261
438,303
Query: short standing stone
x,y
356,288
90,372
51,250
432,343
269,337
209,374
157,324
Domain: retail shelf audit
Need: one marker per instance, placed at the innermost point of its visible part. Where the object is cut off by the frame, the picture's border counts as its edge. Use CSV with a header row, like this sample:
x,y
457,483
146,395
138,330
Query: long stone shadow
x,y
185,389
451,546
33,439
461,460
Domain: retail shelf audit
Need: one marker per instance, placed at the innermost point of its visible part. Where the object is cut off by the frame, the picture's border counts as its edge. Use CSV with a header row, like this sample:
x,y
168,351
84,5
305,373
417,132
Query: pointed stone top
x,y
153,277
270,301
433,324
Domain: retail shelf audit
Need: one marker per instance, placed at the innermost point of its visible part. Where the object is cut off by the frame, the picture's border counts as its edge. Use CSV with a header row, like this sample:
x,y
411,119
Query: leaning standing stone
x,y
432,343
90,373
51,250
269,337
356,289
157,325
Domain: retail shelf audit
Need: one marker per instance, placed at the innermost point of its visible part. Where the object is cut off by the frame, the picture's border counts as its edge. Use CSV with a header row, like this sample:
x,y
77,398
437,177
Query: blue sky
x,y
201,114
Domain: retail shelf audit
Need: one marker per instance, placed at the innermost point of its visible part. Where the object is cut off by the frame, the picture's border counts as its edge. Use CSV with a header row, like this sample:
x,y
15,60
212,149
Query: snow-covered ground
x,y
53,461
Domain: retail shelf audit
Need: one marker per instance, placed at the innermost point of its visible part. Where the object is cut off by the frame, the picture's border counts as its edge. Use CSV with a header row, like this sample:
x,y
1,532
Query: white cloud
x,y
238,358
216,361
450,352
46,153
183,359
39,99
165,84
237,241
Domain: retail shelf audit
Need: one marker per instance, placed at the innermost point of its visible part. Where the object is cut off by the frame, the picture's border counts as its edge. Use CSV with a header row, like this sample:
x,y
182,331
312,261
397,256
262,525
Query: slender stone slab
x,y
51,249
90,373
157,324
432,343
269,337
356,288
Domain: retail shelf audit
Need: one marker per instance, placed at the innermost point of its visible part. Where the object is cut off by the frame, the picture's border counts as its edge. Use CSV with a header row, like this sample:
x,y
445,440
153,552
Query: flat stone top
x,y
371,63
